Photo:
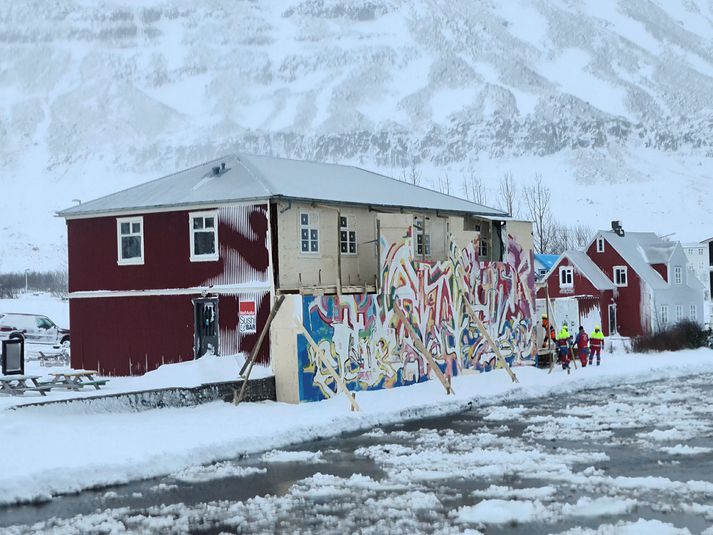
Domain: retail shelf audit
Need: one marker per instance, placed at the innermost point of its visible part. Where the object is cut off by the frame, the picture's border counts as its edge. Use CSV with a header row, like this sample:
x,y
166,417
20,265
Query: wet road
x,y
636,456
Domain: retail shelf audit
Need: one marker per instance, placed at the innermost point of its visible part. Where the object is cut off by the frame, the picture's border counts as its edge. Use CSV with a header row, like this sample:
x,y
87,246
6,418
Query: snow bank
x,y
92,450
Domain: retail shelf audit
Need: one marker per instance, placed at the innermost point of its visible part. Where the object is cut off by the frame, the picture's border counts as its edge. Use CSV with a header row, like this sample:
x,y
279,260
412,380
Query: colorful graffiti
x,y
371,349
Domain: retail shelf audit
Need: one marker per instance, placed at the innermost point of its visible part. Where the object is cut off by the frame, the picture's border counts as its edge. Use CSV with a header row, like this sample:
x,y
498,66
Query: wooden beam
x,y
378,255
480,326
339,254
319,354
253,357
422,348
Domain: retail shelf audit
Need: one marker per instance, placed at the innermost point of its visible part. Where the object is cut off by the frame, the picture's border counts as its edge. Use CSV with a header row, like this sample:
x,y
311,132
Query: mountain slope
x,y
611,102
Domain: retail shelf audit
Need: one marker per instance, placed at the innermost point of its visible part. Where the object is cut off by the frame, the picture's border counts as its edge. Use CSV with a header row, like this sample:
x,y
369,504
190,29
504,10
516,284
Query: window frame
x,y
135,261
570,271
213,257
309,226
677,275
600,245
693,312
663,312
679,313
625,271
349,228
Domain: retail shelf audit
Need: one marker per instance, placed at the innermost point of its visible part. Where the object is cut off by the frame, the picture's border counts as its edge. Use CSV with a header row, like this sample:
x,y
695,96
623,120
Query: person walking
x,y
596,342
582,343
548,330
563,343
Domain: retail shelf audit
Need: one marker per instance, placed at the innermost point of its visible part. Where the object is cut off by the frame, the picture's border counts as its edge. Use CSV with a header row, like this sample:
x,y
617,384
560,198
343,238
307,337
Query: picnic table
x,y
16,385
76,380
56,358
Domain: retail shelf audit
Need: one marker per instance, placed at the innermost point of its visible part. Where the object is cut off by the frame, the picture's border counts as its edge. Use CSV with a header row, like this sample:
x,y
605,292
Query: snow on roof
x,y
639,250
589,269
250,177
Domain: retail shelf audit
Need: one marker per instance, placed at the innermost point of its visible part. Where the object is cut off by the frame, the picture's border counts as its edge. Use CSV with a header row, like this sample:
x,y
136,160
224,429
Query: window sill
x,y
131,262
204,258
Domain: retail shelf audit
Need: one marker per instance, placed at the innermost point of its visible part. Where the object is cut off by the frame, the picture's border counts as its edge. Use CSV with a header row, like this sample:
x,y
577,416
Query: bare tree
x,y
474,188
582,234
561,239
537,200
507,193
411,174
444,184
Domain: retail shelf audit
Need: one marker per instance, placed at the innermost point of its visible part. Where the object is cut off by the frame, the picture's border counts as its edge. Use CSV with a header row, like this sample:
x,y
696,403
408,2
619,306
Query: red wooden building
x,y
642,281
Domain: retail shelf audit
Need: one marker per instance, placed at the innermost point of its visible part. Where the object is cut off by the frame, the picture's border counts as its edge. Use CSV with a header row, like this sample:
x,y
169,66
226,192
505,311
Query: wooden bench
x,y
16,385
53,359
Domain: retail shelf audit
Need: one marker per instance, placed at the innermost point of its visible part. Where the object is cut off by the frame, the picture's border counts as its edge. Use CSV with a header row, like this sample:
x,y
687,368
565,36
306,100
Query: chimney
x,y
216,170
222,167
617,228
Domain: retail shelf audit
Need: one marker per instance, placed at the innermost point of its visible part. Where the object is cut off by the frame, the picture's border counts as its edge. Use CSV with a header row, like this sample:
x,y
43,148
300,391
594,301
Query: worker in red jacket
x,y
596,342
582,343
547,327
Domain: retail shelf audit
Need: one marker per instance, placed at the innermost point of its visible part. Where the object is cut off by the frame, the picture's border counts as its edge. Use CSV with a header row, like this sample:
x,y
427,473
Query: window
x,y
692,313
566,277
600,245
620,275
309,232
679,313
44,323
483,252
347,235
677,275
130,240
700,252
204,236
664,314
423,240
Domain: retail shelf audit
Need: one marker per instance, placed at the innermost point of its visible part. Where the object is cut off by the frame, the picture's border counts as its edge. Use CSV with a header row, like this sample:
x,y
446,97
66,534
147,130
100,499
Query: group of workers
x,y
587,346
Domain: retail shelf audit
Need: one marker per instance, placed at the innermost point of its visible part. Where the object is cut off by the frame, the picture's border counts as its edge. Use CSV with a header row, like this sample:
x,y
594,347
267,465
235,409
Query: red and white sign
x,y
247,316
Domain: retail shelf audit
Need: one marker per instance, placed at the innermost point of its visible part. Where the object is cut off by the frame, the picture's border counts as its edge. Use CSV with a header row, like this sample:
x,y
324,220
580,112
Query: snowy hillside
x,y
611,101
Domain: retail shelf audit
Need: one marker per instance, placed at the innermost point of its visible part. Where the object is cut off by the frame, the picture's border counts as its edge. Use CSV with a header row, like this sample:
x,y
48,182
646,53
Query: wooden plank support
x,y
422,348
237,398
339,255
481,327
319,353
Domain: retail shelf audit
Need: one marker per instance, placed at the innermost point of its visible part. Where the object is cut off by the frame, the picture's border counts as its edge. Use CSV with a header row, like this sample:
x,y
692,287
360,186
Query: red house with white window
x,y
642,281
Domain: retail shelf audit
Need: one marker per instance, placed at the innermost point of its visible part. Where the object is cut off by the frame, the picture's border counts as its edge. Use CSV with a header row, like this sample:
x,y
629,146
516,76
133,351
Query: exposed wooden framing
x,y
421,347
378,255
339,254
253,357
319,353
423,239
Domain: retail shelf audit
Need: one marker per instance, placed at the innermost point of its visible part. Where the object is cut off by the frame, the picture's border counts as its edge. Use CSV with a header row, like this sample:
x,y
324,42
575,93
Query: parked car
x,y
33,328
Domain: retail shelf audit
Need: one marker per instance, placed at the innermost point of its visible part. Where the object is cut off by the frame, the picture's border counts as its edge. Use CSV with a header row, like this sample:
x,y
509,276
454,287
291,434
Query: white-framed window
x,y
679,313
677,275
663,314
347,235
130,240
620,275
600,245
483,247
693,313
309,233
204,236
422,241
566,277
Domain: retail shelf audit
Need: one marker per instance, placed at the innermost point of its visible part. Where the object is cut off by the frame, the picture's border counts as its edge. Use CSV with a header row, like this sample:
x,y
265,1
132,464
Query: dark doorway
x,y
205,314
612,320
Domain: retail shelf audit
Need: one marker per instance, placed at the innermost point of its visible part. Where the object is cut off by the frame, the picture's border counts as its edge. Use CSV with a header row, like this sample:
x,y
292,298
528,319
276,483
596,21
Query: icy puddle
x,y
633,459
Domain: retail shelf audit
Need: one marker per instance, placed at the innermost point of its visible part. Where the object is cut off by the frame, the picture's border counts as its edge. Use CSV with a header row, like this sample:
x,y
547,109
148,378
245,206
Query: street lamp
x,y
26,272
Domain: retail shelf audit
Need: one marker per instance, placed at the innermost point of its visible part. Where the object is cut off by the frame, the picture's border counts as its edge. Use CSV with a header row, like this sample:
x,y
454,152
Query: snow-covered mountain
x,y
612,102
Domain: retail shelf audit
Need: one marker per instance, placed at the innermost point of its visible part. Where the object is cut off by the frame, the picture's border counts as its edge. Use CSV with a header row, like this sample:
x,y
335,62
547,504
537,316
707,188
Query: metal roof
x,y
589,269
250,177
640,248
547,260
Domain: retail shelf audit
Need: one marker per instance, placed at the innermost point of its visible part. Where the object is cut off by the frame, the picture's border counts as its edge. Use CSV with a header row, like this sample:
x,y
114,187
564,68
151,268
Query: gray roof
x,y
249,177
589,269
639,249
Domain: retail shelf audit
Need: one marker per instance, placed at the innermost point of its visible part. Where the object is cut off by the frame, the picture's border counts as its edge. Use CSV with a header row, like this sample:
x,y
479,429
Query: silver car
x,y
33,328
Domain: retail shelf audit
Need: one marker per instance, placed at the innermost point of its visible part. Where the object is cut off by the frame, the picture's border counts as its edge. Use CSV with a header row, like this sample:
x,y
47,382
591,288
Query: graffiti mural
x,y
370,348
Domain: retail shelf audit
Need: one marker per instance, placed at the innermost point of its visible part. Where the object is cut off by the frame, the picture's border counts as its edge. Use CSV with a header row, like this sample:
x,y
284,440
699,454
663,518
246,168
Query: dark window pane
x,y
125,228
197,222
419,238
343,222
352,236
315,246
305,234
208,222
136,228
313,234
343,247
352,248
204,243
343,235
305,246
304,219
130,247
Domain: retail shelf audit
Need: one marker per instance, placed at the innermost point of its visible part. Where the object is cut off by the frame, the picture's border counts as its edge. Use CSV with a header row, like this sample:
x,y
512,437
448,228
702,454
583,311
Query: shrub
x,y
683,335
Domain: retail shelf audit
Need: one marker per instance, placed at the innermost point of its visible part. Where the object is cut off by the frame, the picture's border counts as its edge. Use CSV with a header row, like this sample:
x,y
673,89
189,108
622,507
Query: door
x,y
205,313
612,319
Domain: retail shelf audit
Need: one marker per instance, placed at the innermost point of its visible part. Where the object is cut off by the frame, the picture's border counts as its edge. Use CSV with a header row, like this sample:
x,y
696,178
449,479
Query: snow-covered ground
x,y
95,449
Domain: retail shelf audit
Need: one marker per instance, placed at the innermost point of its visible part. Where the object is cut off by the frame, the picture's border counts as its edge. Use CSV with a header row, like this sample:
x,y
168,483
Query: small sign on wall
x,y
247,316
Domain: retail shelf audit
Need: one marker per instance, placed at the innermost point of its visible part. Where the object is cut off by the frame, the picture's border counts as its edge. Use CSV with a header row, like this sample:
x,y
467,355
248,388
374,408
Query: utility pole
x,y
26,272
